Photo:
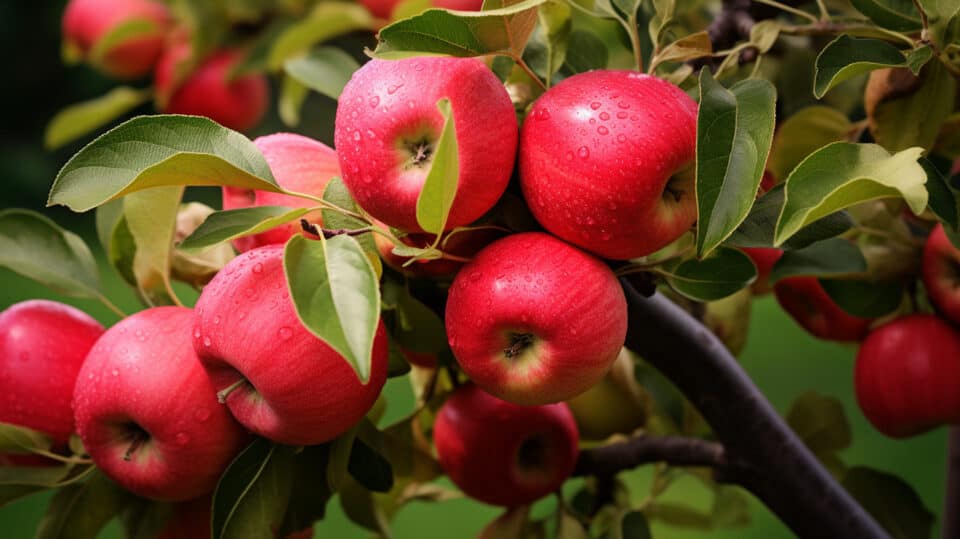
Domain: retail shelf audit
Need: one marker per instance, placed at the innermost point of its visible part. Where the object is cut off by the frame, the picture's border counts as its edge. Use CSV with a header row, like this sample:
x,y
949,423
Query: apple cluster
x,y
131,39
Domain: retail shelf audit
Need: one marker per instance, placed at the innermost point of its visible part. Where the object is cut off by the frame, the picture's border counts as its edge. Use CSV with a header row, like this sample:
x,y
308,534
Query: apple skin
x,y
191,520
424,360
941,266
384,8
567,305
143,375
42,347
763,258
615,405
600,154
300,391
463,244
907,375
501,453
809,305
239,104
87,21
389,107
298,164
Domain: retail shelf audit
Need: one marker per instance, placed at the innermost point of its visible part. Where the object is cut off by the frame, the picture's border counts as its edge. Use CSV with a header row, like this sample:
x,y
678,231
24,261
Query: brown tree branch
x,y
675,450
951,514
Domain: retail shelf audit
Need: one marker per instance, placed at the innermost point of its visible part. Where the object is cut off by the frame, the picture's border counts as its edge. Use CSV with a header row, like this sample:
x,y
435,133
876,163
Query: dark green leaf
x,y
547,49
757,229
252,495
35,247
842,174
336,293
370,468
893,502
227,225
864,298
325,70
585,52
77,120
633,525
157,151
436,31
734,132
718,275
310,492
416,327
944,201
803,133
81,510
21,440
359,505
144,519
898,15
832,257
440,186
821,423
846,57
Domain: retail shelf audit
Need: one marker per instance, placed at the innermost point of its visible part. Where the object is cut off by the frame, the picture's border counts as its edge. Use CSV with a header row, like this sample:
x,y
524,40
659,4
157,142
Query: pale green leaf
x,y
440,187
229,225
77,120
325,70
151,218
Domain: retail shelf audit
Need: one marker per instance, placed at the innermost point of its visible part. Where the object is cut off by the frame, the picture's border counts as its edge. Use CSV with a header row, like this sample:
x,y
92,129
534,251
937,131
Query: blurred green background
x,y
782,359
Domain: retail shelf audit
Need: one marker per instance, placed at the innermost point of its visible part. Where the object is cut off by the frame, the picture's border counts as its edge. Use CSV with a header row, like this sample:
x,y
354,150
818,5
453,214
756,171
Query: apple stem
x,y
137,440
518,342
222,395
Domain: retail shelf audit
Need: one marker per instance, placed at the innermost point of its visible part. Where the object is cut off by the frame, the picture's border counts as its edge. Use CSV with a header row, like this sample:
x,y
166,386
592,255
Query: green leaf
x,y
369,467
585,52
866,299
416,327
939,13
309,493
900,15
547,49
228,225
130,30
15,439
718,275
632,525
834,257
440,187
77,120
80,511
734,132
915,119
157,151
803,133
846,57
919,58
335,290
325,70
292,96
892,501
661,19
944,200
757,229
842,174
436,31
360,506
252,495
43,476
337,194
327,20
686,48
509,525
37,248
145,519
151,218
821,423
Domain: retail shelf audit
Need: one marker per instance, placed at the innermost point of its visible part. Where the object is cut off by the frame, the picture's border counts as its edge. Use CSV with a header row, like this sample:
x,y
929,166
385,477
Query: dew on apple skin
x,y
583,152
542,114
201,414
216,320
604,116
392,89
374,101
115,373
356,136
602,130
623,115
182,438
621,138
595,105
285,333
207,342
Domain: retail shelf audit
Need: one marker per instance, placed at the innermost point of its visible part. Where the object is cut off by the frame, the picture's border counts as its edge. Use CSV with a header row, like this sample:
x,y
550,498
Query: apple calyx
x,y
519,342
138,436
680,183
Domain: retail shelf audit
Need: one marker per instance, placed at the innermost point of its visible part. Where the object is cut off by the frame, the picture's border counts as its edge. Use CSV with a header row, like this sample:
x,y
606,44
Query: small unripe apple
x,y
384,8
501,453
388,125
615,405
729,319
85,22
809,305
534,320
463,244
763,258
196,268
941,269
42,347
606,162
278,379
907,375
238,104
298,164
147,412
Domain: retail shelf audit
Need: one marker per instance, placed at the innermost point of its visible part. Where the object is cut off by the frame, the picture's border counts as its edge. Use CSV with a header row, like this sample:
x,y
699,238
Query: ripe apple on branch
x,y
556,247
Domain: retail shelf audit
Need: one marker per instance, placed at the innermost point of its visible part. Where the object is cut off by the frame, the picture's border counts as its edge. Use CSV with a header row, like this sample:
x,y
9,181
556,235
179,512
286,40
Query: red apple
x,y
42,347
534,320
907,375
462,244
763,258
809,305
298,164
767,182
606,162
501,453
191,520
388,124
147,412
86,22
384,8
424,360
238,104
941,273
293,388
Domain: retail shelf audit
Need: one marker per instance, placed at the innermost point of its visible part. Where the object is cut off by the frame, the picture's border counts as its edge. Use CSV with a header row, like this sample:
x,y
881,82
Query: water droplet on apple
x,y
285,333
115,372
392,89
569,156
201,414
371,134
207,342
216,320
356,136
583,152
623,105
182,438
542,114
595,105
622,115
418,67
604,116
602,130
621,138
374,101
257,268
